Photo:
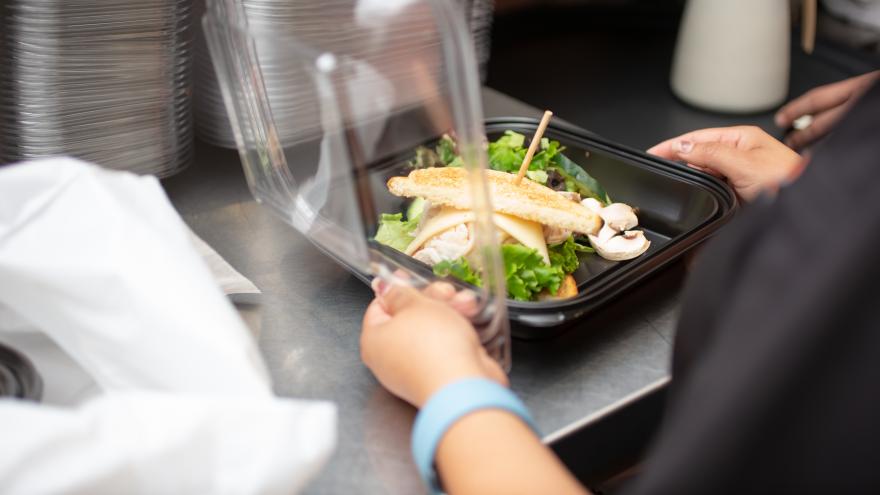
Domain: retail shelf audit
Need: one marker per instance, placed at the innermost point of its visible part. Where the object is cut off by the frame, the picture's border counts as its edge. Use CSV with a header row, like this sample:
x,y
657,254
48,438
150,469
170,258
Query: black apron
x,y
776,371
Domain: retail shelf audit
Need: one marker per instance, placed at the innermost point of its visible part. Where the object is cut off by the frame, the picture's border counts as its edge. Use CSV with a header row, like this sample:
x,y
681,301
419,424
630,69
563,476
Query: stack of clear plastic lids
x,y
104,81
319,21
323,117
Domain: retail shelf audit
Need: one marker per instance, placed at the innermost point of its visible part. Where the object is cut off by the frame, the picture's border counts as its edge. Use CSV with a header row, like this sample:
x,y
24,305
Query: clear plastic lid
x,y
330,99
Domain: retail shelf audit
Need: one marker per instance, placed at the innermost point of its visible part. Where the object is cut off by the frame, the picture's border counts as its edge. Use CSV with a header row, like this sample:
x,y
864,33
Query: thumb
x,y
713,156
399,297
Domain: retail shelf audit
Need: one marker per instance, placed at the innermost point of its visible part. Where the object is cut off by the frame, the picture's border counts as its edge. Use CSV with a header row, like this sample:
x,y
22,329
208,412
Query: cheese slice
x,y
528,233
444,220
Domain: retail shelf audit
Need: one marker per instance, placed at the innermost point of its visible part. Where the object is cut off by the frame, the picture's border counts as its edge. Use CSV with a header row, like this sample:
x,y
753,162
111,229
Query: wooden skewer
x,y
808,26
533,147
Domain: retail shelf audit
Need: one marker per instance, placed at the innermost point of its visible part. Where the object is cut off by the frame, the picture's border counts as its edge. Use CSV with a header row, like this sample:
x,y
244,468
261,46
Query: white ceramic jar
x,y
733,56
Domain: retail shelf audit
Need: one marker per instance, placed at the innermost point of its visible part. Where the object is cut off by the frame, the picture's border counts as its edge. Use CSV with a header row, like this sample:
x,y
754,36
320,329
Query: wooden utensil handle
x,y
533,146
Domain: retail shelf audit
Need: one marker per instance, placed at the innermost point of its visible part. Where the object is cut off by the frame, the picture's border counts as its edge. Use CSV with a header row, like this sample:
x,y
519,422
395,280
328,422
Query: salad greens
x,y
549,166
538,176
527,274
507,153
525,271
415,209
578,180
564,254
446,152
396,232
459,269
443,155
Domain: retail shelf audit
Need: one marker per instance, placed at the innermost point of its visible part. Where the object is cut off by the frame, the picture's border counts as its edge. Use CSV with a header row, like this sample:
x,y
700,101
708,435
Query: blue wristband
x,y
447,406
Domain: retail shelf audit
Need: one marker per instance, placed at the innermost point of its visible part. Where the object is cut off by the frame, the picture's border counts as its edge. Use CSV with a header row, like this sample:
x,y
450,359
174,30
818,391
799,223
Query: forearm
x,y
493,451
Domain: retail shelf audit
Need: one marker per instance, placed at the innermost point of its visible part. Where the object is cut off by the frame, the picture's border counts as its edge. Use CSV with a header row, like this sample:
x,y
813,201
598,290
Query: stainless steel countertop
x,y
311,315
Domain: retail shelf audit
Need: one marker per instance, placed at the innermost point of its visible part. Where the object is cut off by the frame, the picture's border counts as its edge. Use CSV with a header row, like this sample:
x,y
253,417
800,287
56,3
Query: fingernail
x,y
684,146
380,287
779,119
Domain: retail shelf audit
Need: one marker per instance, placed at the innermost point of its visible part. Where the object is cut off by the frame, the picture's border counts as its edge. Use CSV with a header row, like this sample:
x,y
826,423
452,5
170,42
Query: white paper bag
x,y
100,264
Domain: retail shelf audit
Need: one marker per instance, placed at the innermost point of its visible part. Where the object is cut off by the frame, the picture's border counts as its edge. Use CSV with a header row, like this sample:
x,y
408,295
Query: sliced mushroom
x,y
606,233
615,241
621,247
593,205
619,216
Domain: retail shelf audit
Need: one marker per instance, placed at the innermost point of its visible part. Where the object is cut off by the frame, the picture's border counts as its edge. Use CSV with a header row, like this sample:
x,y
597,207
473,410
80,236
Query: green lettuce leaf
x,y
511,139
506,153
527,274
396,232
547,155
538,176
446,150
564,254
459,269
425,158
415,209
456,162
578,180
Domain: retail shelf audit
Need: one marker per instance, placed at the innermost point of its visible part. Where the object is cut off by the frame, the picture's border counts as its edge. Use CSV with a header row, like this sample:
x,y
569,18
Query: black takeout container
x,y
678,208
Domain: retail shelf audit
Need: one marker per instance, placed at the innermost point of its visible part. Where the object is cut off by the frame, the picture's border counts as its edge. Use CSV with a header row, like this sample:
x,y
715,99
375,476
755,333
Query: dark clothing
x,y
776,374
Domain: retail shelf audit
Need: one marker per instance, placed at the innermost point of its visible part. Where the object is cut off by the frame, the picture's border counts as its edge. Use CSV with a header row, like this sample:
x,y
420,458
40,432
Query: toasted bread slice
x,y
528,200
567,289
